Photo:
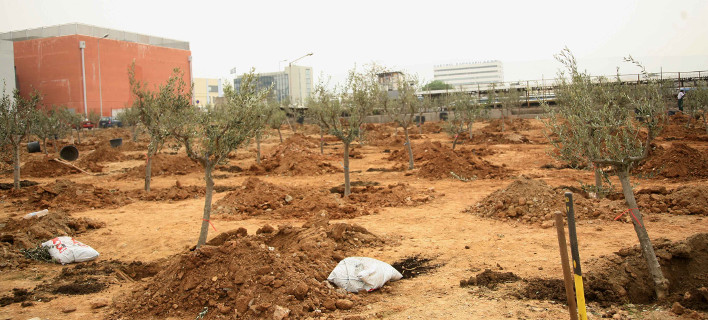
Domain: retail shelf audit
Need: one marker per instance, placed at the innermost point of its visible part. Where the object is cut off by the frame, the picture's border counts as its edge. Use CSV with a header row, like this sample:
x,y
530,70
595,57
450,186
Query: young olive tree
x,y
130,117
276,117
209,135
604,131
343,114
17,116
403,109
509,99
697,103
467,111
52,123
157,110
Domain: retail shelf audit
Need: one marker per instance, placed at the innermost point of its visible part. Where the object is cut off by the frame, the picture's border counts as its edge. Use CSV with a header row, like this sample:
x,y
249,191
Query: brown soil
x,y
297,155
176,193
687,199
259,198
436,161
514,125
164,165
676,129
258,276
67,196
104,153
45,168
679,161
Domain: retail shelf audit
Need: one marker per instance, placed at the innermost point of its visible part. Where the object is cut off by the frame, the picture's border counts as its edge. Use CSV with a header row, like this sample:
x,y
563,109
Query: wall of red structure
x,y
53,67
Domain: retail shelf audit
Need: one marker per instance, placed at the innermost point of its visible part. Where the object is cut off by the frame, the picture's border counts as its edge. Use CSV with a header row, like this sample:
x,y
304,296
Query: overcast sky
x,y
410,36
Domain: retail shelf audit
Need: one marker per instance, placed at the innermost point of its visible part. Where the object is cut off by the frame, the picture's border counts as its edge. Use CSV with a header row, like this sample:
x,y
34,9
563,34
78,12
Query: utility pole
x,y
100,92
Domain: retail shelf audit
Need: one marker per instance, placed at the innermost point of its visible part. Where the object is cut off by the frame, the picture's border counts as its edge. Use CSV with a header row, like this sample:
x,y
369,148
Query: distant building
x,y
470,75
389,82
206,91
7,67
62,63
293,84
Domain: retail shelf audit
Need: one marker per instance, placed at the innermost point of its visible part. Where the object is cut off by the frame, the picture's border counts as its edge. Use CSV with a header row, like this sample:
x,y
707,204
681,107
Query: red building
x,y
56,60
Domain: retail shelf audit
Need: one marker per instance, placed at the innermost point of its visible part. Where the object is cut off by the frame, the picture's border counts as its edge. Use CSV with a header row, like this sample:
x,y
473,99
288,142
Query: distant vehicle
x,y
107,122
87,124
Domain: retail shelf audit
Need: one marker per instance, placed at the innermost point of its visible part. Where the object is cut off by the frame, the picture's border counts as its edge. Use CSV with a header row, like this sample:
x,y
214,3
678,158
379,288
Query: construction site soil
x,y
470,229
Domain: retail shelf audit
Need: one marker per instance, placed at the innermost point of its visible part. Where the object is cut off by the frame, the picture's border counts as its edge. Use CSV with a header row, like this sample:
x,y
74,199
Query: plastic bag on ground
x,y
356,274
67,250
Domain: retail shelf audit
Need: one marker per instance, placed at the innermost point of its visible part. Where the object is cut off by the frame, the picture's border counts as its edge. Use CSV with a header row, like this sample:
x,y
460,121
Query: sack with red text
x,y
67,250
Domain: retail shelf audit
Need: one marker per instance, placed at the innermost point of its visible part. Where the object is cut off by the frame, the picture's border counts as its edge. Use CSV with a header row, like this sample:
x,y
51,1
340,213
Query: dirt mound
x,y
676,129
176,193
437,162
165,165
271,274
687,199
490,279
45,168
535,202
104,153
678,162
67,196
514,125
19,233
297,155
258,198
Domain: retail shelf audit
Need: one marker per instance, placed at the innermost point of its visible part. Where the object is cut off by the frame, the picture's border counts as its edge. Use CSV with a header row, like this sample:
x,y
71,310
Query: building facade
x,y
7,67
468,76
206,91
85,68
294,84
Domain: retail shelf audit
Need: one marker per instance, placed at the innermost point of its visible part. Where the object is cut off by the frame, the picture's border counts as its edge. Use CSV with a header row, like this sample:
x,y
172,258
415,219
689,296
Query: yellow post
x,y
578,275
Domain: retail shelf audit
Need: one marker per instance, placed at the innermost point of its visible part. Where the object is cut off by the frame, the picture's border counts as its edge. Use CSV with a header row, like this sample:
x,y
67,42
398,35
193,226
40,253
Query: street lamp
x,y
100,93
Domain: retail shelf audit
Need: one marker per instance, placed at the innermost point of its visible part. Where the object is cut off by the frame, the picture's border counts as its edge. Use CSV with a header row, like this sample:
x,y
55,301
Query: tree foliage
x,y
17,116
696,103
403,109
130,117
437,85
52,123
465,111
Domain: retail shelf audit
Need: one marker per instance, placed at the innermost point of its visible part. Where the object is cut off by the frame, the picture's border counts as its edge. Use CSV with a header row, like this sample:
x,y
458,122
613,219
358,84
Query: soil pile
x,y
19,233
514,125
165,165
535,202
176,193
677,162
297,155
45,167
438,162
104,153
274,274
687,199
68,196
676,129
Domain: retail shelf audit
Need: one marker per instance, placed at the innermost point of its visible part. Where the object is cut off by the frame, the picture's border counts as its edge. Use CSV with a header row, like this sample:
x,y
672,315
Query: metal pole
x,y
100,92
572,307
82,45
579,291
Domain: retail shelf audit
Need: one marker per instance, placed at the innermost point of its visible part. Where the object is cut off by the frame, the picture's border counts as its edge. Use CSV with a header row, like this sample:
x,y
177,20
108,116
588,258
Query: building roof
x,y
92,31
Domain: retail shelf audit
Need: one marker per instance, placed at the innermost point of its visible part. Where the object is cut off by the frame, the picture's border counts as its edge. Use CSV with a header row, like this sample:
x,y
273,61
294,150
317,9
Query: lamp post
x,y
100,93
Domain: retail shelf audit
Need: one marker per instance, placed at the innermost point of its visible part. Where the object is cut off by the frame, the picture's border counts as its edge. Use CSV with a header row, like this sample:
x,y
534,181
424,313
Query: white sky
x,y
410,36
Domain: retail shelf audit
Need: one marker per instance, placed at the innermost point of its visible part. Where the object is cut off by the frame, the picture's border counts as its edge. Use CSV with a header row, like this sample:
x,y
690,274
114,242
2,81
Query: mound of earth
x,y
676,129
273,274
297,155
535,202
687,199
45,167
514,125
164,165
679,161
18,233
68,196
623,277
438,162
176,193
104,153
257,198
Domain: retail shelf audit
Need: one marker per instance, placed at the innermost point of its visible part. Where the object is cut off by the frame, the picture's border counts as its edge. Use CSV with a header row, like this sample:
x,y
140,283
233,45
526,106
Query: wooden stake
x,y
579,291
570,295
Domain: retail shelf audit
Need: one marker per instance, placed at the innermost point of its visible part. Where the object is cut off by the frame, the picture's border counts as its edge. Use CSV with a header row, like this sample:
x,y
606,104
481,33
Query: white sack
x,y
67,250
355,274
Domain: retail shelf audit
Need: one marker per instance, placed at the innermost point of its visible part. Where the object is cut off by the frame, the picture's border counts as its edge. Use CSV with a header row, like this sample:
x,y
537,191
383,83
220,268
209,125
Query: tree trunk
x,y
598,183
321,142
148,171
258,149
135,133
502,119
661,284
470,127
410,149
55,144
207,203
44,145
16,163
280,135
454,142
78,136
347,186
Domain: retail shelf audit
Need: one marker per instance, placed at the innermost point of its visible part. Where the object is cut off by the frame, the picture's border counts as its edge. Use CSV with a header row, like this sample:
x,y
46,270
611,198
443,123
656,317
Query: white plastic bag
x,y
355,274
68,250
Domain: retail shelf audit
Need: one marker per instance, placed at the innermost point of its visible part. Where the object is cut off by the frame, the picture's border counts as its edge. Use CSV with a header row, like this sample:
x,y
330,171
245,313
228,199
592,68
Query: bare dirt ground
x,y
479,244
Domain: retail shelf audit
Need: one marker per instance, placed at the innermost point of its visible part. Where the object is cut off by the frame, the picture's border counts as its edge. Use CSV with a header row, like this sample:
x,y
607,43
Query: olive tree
x,y
52,123
697,103
209,135
276,117
466,111
508,99
343,113
157,109
17,116
402,109
130,117
592,126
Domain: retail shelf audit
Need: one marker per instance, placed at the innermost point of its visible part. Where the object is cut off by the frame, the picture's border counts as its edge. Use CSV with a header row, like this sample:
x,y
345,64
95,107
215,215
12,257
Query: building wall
x,y
469,75
295,83
300,84
7,67
206,90
53,67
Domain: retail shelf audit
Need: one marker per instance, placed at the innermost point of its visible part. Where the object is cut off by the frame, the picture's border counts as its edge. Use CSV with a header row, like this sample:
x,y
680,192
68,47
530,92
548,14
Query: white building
x,y
469,76
7,67
294,83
